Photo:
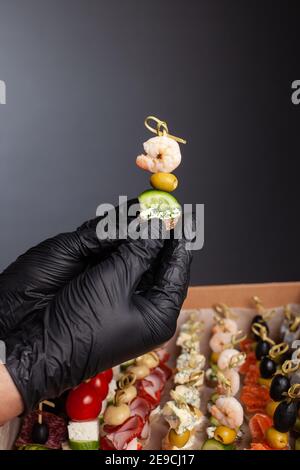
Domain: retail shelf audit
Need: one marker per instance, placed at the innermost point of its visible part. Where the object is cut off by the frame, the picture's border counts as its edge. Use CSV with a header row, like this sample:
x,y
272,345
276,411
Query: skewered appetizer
x,y
83,406
182,412
227,414
225,335
162,156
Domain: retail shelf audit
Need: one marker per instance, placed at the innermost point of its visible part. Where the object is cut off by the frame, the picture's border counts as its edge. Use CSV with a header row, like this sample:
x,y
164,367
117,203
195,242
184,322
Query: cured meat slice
x,y
250,360
247,345
161,376
106,444
258,425
252,375
140,407
156,380
255,398
119,436
163,355
149,392
134,444
166,370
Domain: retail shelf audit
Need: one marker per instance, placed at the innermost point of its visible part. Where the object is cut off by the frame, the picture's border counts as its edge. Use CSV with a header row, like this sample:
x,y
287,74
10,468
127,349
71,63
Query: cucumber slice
x,y
214,421
84,445
212,444
214,397
158,204
33,447
229,447
101,420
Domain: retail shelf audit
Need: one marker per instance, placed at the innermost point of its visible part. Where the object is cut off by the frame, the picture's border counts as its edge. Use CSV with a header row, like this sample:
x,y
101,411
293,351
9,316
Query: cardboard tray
x,y
200,301
202,298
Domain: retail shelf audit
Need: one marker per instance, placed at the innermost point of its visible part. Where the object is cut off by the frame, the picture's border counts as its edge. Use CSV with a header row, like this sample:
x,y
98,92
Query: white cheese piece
x,y
84,430
210,431
189,394
192,360
188,375
178,418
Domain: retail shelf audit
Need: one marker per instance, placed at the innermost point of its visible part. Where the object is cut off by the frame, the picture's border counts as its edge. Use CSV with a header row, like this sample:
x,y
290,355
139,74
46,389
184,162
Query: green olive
x,y
277,440
179,440
225,435
164,181
214,357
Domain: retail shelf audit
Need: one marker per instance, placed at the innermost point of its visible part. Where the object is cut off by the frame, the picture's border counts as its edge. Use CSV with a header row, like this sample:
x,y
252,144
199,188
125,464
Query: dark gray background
x,y
82,75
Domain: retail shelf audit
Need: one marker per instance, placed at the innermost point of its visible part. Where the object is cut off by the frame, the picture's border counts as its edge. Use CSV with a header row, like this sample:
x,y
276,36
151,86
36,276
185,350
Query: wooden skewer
x,y
40,412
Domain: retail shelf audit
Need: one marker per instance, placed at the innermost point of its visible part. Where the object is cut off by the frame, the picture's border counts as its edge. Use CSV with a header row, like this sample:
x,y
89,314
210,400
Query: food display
x,y
162,156
228,380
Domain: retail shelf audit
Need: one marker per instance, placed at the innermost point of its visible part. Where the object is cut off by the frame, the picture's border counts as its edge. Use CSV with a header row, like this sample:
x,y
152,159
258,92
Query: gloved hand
x,y
65,317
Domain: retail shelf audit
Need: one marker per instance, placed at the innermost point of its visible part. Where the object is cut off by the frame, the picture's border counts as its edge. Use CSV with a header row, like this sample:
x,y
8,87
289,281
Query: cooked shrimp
x,y
225,358
228,411
233,378
226,325
162,155
218,341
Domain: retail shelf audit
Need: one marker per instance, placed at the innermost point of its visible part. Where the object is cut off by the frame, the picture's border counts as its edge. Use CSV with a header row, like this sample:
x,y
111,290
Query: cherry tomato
x,y
83,403
108,374
100,384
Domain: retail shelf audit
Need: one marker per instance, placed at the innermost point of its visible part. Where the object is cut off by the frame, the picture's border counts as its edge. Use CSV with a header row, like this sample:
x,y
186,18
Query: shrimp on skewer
x,y
225,325
162,155
228,411
228,382
230,358
219,341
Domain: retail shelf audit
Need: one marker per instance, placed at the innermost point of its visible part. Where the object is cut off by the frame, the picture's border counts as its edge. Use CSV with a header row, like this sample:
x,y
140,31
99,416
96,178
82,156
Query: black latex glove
x,y
64,320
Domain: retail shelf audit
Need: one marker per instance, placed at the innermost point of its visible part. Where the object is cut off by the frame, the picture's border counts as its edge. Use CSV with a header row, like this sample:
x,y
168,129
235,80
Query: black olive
x,y
285,416
262,349
259,319
267,367
279,385
39,433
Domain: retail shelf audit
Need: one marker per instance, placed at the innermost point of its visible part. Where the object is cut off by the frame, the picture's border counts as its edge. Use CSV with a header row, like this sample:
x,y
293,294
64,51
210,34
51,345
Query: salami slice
x,y
57,430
